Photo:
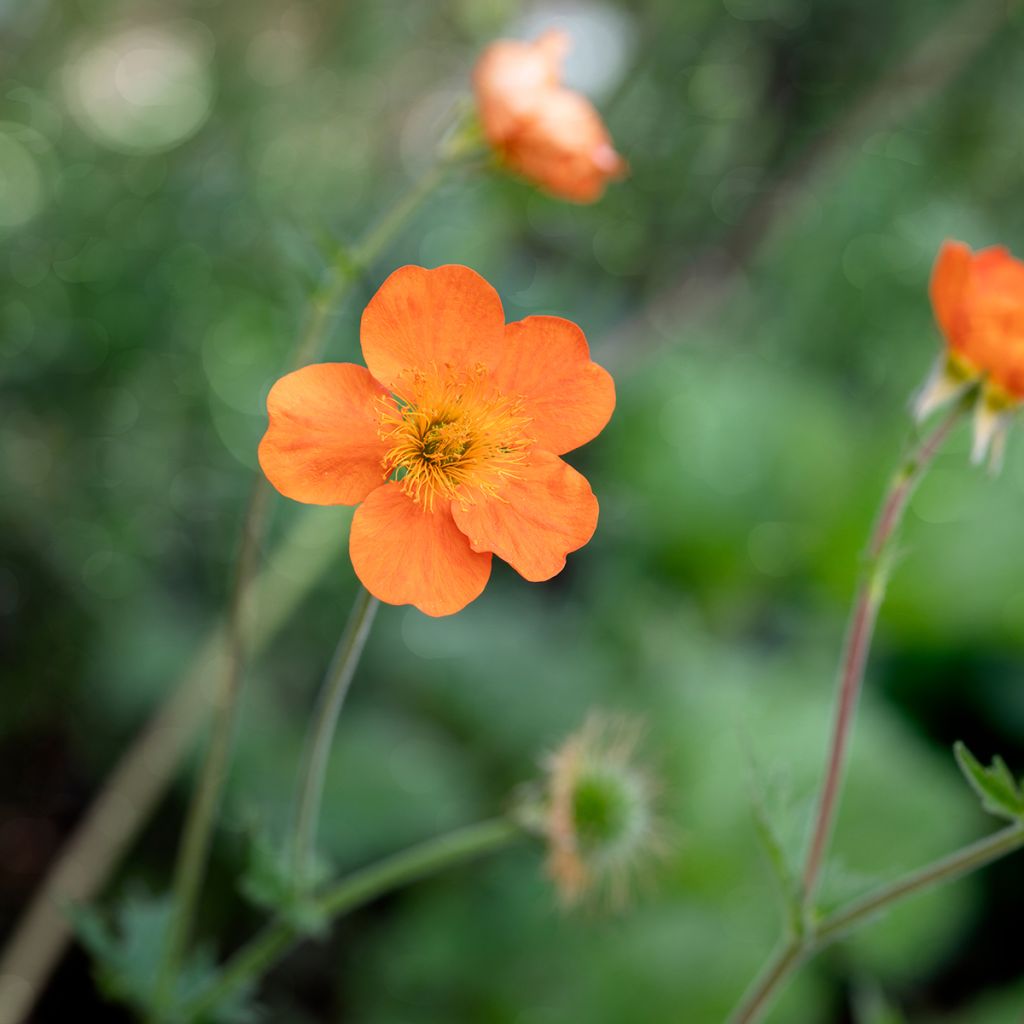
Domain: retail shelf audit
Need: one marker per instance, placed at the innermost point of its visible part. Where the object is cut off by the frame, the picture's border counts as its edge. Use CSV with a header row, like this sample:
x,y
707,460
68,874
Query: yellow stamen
x,y
453,436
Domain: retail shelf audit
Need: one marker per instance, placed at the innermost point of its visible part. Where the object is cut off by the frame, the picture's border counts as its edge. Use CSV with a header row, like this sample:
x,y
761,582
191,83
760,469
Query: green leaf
x,y
269,883
999,791
127,951
789,887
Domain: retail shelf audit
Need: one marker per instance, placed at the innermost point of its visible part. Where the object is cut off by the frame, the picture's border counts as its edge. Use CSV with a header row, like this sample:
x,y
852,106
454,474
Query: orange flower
x,y
541,130
978,299
450,439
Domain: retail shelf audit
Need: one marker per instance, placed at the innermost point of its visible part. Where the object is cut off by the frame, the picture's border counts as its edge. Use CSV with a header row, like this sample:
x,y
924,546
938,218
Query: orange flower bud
x,y
541,130
978,299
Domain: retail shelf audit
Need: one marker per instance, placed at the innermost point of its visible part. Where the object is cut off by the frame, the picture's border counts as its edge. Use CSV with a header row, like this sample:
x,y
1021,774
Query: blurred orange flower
x,y
450,439
978,299
541,130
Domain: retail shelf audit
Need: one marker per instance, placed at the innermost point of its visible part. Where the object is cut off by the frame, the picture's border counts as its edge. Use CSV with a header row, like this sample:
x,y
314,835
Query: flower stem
x,y
196,837
457,847
949,868
868,600
870,593
778,969
797,950
325,719
193,851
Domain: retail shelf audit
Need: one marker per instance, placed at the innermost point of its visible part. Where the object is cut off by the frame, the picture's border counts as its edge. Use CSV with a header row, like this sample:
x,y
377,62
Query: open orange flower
x,y
450,439
978,299
541,130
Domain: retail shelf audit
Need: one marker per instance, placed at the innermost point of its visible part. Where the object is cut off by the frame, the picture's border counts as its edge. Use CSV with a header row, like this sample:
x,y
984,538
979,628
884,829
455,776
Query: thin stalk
x,y
198,831
857,646
778,969
324,722
193,851
419,861
859,911
947,869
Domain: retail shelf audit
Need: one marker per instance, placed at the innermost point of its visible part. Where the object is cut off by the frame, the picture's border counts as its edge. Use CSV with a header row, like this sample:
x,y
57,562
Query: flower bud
x,y
539,129
978,299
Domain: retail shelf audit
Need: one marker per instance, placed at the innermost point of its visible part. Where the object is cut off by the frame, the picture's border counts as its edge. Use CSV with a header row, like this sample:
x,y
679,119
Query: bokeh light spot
x,y
144,88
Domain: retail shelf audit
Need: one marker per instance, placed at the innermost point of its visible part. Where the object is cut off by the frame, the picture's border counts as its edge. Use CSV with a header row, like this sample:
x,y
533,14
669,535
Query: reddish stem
x,y
858,639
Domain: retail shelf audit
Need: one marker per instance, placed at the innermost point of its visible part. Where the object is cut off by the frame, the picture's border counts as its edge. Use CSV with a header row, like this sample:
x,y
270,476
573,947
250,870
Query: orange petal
x,y
510,78
538,517
565,147
322,445
994,314
546,361
424,320
996,260
406,555
949,279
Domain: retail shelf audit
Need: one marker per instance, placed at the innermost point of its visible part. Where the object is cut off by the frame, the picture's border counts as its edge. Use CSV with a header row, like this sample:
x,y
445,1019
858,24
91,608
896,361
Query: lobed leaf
x,y
998,790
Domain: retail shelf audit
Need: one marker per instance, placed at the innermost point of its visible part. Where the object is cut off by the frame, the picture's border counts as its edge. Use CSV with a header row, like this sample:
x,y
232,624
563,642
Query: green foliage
x,y
999,791
778,858
269,883
127,949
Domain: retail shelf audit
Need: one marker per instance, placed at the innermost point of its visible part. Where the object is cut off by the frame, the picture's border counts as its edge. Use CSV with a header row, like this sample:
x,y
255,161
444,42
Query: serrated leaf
x,y
127,951
269,883
777,859
789,888
999,791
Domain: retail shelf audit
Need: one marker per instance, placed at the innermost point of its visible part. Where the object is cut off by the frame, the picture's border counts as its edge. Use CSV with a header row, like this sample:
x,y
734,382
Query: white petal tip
x,y
991,425
944,384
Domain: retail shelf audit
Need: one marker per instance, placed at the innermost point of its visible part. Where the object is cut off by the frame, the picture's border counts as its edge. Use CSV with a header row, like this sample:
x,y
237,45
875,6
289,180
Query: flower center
x,y
453,436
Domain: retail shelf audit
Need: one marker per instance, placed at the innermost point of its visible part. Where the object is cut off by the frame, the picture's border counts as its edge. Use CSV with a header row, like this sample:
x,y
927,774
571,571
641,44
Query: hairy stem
x,y
457,847
322,727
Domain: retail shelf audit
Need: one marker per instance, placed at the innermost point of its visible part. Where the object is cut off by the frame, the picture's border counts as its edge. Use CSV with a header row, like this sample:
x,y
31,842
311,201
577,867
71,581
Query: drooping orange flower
x,y
978,299
450,439
540,129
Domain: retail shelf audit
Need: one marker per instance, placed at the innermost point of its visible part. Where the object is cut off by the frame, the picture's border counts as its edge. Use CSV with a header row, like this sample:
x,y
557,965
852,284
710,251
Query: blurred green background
x,y
171,176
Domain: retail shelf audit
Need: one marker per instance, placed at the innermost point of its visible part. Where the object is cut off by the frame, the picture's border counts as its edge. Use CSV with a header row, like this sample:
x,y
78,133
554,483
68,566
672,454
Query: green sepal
x,y
269,883
999,791
127,948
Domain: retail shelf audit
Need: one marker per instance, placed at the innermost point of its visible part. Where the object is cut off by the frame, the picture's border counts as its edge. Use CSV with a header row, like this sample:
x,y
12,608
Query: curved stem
x,y
859,911
457,847
325,719
193,851
869,597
